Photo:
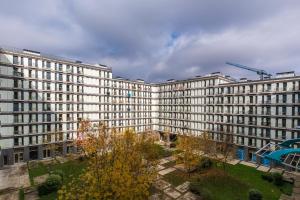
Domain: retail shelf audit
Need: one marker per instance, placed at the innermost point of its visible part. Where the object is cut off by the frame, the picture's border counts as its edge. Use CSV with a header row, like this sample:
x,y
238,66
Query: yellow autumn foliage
x,y
120,165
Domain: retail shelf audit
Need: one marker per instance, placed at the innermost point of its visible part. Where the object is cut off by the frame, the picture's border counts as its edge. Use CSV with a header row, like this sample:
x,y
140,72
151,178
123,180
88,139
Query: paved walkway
x,y
14,176
167,191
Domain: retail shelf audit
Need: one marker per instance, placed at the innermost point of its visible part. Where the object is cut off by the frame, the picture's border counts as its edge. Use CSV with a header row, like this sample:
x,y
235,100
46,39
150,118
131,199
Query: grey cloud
x,y
135,37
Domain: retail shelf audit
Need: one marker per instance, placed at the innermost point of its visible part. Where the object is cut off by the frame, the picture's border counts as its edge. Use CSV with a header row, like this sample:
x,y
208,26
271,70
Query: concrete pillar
x,y
1,159
26,154
40,152
64,148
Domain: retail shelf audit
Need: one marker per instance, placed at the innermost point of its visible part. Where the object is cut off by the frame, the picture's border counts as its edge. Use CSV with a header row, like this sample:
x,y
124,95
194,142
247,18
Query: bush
x,y
268,177
196,188
204,163
255,194
52,183
58,172
278,180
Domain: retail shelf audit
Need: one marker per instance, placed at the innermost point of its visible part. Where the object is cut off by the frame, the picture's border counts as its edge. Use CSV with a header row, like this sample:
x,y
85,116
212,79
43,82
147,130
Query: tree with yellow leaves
x,y
120,165
188,145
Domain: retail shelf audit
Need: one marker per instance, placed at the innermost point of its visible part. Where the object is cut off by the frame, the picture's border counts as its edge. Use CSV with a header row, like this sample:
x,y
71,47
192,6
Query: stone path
x,y
14,195
14,176
166,171
167,191
263,168
249,164
233,162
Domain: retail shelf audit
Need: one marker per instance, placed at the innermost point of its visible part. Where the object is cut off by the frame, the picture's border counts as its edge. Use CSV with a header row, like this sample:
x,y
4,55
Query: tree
x,y
225,147
189,156
206,145
120,165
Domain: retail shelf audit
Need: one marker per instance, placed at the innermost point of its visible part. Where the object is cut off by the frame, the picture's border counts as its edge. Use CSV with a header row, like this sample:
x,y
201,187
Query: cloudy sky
x,y
162,39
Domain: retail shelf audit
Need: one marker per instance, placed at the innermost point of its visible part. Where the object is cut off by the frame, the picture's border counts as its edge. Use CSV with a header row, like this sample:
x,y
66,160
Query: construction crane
x,y
260,72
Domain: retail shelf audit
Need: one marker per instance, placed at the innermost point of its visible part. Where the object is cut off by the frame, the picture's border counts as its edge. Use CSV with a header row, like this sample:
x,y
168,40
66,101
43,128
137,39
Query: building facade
x,y
43,99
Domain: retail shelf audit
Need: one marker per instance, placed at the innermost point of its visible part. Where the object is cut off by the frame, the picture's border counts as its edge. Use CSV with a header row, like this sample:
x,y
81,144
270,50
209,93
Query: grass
x,y
221,185
176,177
71,169
21,194
253,179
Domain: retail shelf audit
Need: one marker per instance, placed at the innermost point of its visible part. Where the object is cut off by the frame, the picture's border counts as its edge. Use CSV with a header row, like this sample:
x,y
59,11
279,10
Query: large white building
x,y
43,98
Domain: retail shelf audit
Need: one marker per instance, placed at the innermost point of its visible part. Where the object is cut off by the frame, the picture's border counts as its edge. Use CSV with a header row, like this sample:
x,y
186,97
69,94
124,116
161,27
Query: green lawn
x,y
233,184
176,177
71,169
253,179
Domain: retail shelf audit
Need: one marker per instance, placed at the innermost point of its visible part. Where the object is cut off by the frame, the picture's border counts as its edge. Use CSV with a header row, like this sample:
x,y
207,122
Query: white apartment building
x,y
43,98
255,113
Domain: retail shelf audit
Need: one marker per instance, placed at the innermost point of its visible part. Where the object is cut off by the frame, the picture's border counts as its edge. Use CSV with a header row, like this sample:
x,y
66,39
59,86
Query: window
x,y
15,83
16,141
30,106
15,60
269,87
16,107
284,98
48,97
284,110
16,96
48,86
284,86
29,61
48,75
60,77
49,117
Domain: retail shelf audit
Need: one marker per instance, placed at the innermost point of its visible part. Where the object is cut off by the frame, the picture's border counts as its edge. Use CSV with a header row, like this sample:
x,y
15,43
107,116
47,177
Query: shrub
x,y
52,183
277,177
58,172
196,188
255,194
204,163
267,177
